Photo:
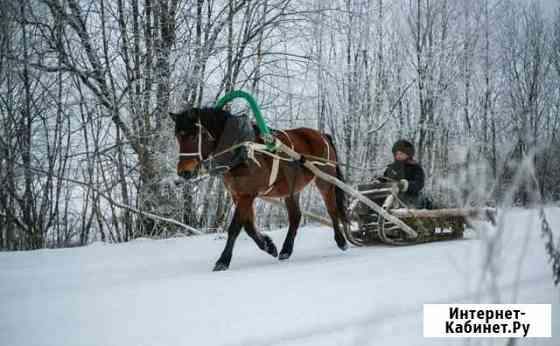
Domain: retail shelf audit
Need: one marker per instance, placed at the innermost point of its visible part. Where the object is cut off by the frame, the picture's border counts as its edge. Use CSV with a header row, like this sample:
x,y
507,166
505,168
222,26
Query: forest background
x,y
87,147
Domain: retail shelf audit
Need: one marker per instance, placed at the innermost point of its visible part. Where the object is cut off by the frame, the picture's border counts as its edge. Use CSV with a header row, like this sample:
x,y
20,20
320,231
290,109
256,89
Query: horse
x,y
198,130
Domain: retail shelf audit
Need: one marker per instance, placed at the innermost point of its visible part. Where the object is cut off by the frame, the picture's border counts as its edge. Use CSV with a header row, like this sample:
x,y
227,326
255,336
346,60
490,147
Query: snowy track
x,y
164,293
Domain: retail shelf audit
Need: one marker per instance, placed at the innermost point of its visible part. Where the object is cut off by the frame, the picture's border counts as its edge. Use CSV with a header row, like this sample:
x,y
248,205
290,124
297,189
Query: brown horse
x,y
198,131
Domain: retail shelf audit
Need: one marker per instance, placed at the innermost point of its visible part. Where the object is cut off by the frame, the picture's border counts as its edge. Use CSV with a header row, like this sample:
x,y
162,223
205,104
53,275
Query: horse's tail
x,y
340,196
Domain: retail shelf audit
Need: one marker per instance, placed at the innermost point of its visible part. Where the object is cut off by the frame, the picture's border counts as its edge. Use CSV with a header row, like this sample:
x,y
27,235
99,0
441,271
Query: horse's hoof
x,y
273,251
269,247
343,247
284,256
220,267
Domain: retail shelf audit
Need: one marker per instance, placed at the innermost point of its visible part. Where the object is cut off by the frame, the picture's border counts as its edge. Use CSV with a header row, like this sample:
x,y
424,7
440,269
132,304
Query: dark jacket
x,y
409,170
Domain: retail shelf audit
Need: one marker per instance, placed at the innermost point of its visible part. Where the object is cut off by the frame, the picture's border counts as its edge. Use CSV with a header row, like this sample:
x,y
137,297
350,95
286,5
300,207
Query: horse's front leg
x,y
233,231
244,217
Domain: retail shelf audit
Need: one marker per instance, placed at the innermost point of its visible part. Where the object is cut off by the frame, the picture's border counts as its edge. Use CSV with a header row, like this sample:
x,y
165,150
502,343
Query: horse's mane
x,y
211,118
202,113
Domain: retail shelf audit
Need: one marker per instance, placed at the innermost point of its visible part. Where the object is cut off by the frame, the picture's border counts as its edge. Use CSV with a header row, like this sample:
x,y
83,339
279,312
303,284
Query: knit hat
x,y
404,146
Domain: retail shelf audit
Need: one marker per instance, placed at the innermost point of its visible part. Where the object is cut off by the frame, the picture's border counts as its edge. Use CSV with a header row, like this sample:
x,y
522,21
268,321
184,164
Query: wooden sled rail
x,y
470,213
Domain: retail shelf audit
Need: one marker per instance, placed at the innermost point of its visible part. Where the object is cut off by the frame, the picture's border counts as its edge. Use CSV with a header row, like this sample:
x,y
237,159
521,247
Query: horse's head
x,y
195,141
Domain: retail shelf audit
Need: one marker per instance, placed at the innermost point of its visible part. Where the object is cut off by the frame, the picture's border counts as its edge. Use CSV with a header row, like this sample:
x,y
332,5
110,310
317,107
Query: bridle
x,y
198,154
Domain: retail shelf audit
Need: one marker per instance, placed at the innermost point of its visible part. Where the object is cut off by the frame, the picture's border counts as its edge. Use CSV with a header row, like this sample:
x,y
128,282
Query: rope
x,y
315,159
263,149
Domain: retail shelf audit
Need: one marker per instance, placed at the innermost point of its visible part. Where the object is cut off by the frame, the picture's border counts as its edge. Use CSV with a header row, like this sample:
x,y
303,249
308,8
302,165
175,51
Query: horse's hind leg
x,y
294,215
263,241
328,192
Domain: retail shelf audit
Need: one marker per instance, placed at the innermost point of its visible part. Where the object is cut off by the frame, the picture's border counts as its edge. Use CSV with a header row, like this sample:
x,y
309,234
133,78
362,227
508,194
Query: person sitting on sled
x,y
409,175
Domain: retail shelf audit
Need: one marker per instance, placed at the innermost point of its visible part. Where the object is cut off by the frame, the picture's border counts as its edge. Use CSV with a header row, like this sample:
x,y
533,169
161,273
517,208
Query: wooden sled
x,y
368,227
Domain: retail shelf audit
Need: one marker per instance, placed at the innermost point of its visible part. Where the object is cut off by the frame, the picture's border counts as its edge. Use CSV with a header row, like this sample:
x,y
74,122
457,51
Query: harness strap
x,y
328,147
274,173
198,154
251,153
253,147
288,137
263,149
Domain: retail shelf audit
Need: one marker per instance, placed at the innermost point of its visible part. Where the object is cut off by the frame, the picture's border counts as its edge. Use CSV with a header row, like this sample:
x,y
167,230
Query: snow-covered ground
x,y
162,292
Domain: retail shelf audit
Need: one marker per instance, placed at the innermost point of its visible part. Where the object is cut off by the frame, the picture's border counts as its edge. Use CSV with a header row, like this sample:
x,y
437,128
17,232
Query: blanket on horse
x,y
237,129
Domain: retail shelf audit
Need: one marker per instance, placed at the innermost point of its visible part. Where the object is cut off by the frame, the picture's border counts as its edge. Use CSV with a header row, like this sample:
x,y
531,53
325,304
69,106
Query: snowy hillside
x,y
149,292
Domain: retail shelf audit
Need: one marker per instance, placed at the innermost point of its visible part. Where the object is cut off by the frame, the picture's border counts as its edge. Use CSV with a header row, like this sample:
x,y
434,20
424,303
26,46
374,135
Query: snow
x,y
162,292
